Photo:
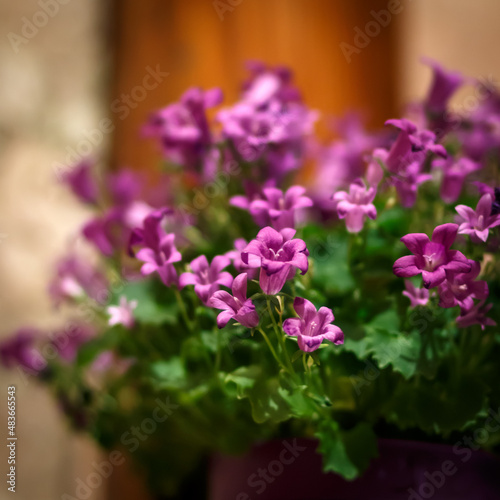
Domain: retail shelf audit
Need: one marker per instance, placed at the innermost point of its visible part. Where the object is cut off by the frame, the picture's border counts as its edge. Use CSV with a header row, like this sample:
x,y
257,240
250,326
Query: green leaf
x,y
148,309
300,405
361,445
169,374
335,458
331,267
241,380
399,350
267,403
388,320
347,453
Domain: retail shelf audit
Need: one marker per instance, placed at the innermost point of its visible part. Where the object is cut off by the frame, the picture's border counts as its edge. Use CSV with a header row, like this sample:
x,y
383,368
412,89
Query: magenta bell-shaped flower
x,y
312,326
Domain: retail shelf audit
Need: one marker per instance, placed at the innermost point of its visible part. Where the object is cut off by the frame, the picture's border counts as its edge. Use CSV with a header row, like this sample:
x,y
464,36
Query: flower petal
x,y
405,267
445,234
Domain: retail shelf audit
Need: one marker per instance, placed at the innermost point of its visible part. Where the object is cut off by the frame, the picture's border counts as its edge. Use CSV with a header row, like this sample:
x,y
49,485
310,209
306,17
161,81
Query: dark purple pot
x,y
405,470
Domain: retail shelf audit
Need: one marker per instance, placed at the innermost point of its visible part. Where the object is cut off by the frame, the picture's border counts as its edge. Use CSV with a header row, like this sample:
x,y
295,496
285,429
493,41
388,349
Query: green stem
x,y
281,339
183,310
271,348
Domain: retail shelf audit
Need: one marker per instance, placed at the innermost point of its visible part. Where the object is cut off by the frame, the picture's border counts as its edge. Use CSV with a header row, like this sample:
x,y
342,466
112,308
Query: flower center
x,y
204,277
430,262
276,255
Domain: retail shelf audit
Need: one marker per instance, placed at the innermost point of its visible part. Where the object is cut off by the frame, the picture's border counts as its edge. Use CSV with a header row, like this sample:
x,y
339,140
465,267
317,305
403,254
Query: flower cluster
x,y
448,270
216,278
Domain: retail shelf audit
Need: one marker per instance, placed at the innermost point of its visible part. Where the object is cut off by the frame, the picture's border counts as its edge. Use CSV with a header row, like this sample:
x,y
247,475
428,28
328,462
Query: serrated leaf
x,y
347,453
244,378
300,404
170,374
335,458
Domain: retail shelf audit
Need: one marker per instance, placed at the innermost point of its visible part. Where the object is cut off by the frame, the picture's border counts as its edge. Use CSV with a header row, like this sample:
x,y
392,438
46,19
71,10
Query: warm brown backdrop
x,y
190,41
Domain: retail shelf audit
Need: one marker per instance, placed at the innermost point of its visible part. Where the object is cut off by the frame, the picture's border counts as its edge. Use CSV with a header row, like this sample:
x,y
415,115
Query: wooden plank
x,y
188,40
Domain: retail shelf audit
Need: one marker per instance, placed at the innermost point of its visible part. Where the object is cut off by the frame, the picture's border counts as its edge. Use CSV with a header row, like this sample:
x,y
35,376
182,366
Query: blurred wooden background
x,y
190,41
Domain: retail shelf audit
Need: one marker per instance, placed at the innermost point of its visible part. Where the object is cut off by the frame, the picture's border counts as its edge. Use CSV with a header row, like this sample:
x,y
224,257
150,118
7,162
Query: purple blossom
x,y
476,316
417,296
355,205
276,209
454,175
405,159
312,326
235,257
123,314
273,131
76,278
80,180
159,252
207,278
111,363
20,350
268,83
477,223
278,256
182,127
68,341
461,288
125,186
431,258
235,306
108,232
412,145
444,85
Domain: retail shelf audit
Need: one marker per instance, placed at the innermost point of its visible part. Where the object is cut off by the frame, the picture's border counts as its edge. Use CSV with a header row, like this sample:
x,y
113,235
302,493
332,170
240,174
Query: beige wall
x,y
50,91
462,34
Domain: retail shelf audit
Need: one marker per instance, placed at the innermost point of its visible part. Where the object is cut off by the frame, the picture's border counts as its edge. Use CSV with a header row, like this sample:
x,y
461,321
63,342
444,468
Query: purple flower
x,y
207,278
355,205
444,85
454,174
267,83
235,306
405,159
108,232
278,256
159,252
431,258
235,257
312,326
111,363
125,186
417,296
76,278
477,224
476,316
67,342
412,145
273,132
123,313
277,209
460,288
20,350
182,127
80,181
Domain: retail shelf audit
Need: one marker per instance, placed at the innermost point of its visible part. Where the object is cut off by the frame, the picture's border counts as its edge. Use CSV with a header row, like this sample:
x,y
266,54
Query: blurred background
x,y
79,78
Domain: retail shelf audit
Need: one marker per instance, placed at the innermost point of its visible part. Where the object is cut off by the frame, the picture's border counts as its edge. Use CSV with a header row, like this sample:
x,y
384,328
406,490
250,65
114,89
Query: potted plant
x,y
206,330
